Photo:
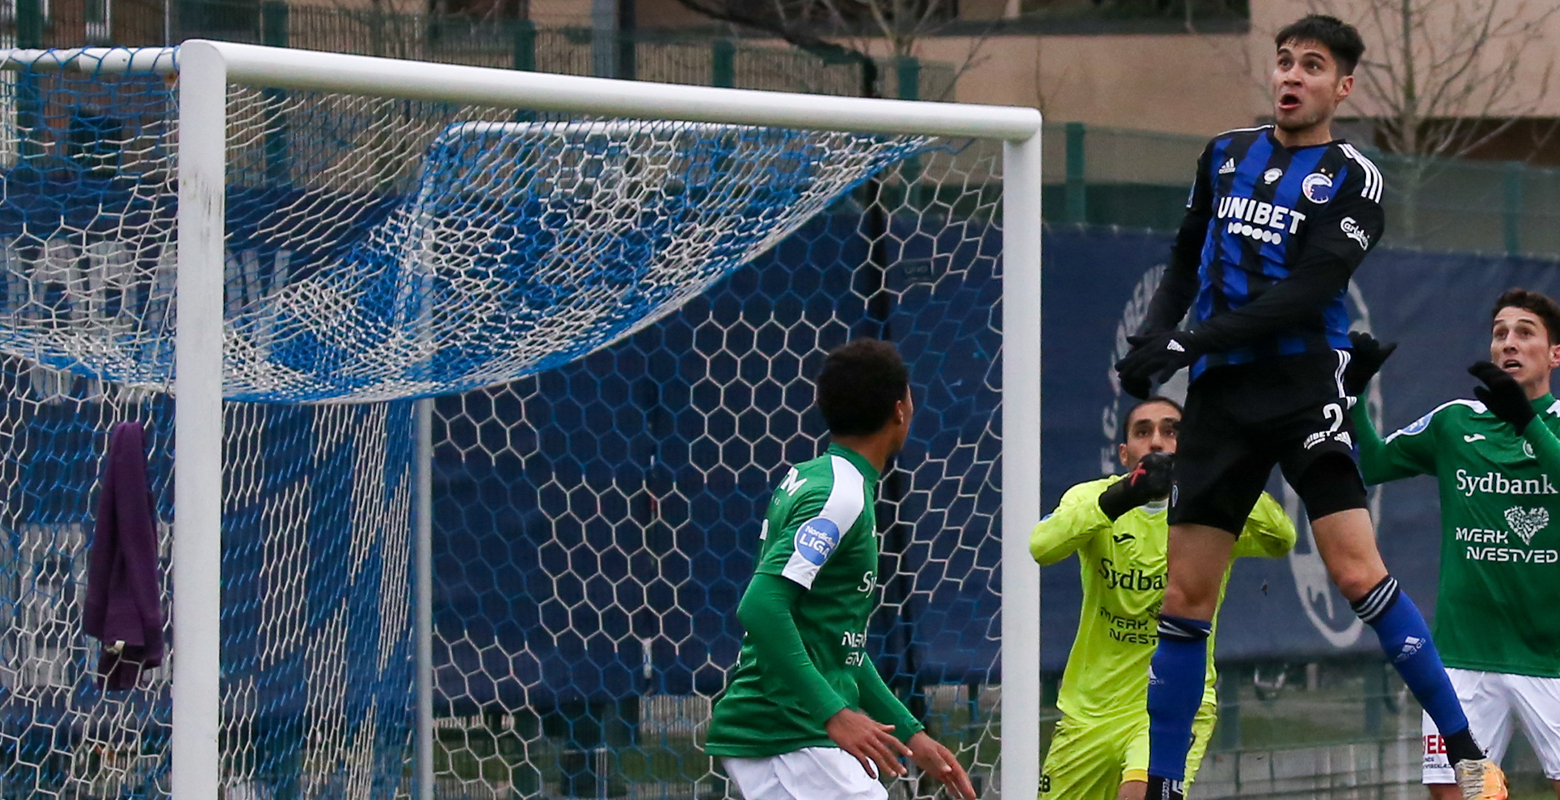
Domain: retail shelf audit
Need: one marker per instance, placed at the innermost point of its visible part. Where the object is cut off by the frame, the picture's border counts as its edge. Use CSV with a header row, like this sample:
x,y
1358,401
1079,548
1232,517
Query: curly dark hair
x,y
859,385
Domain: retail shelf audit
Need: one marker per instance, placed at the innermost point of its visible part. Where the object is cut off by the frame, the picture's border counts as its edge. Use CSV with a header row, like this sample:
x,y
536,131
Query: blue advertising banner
x,y
1436,305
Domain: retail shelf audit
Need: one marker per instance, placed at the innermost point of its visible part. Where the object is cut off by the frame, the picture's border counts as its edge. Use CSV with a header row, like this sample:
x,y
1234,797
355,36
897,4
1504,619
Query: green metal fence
x,y
1137,179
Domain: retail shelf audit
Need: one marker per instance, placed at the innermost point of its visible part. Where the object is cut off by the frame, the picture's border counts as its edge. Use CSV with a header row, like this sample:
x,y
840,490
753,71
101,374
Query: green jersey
x,y
1500,556
821,533
1122,565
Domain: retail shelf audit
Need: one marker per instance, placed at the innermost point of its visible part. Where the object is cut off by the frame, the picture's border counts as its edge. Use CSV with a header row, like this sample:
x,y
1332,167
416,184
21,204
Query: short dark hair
x,y
1126,420
1536,302
859,385
1337,36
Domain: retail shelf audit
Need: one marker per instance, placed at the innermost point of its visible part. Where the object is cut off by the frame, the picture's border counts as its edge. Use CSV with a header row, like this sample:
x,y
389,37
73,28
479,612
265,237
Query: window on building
x,y
99,16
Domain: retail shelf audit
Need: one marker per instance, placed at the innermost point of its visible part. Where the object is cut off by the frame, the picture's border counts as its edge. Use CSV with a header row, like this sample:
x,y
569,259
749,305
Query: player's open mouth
x,y
1288,101
1511,365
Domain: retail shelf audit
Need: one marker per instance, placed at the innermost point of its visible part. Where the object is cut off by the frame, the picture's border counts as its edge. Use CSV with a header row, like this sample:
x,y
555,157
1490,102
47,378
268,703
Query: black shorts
x,y
1241,420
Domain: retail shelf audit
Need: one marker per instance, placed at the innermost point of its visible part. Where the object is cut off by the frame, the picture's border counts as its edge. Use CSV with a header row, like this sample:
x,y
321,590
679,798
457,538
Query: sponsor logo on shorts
x,y
816,540
1493,482
1342,437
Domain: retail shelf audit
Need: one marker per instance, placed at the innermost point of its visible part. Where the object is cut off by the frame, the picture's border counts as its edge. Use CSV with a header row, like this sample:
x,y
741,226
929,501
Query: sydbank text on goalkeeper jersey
x,y
1122,567
1498,609
820,531
1267,205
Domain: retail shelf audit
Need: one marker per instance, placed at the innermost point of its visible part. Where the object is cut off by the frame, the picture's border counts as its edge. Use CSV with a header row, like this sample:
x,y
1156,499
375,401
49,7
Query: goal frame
x,y
206,69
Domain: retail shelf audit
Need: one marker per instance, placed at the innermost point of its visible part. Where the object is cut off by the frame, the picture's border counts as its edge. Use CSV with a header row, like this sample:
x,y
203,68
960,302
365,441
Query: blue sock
x,y
1175,691
1405,638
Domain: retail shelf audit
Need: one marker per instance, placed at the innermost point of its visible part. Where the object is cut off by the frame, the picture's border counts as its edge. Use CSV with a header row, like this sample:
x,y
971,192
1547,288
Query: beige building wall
x,y
1189,83
1521,35
1176,84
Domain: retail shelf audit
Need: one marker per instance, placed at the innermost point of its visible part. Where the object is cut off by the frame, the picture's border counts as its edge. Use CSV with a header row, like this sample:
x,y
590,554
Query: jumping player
x,y
805,715
1497,462
1117,526
1279,218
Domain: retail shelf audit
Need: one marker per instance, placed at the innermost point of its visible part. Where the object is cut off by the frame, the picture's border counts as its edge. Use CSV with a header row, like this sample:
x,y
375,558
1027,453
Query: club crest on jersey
x,y
816,540
1525,522
1272,175
1317,188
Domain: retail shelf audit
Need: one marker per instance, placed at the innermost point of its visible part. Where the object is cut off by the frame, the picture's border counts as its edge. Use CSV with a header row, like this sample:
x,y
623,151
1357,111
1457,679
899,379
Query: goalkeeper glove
x,y
1154,358
1149,480
1502,395
1368,356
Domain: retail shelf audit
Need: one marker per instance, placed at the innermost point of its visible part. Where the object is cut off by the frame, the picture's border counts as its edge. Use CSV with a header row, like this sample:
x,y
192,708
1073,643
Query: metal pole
x,y
197,464
1020,466
424,591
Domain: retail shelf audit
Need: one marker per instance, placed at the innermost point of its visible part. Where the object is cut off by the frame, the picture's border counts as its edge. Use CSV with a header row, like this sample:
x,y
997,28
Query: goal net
x,y
604,303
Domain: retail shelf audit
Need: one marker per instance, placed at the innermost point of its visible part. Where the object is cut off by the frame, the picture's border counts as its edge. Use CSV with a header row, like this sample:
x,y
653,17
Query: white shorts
x,y
1489,698
811,773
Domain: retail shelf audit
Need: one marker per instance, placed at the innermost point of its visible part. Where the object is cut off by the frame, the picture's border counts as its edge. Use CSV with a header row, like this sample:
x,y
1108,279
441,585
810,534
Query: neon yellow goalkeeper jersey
x,y
1123,570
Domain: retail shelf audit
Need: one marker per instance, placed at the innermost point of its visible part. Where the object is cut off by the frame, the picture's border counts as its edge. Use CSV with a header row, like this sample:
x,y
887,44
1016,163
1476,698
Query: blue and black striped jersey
x,y
1259,213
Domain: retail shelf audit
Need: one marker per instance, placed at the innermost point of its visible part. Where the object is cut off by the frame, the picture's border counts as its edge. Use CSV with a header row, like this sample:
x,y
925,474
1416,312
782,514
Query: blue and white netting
x,y
610,415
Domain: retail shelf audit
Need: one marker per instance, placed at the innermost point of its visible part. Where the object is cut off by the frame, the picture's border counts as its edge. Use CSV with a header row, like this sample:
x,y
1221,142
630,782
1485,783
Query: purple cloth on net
x,y
123,608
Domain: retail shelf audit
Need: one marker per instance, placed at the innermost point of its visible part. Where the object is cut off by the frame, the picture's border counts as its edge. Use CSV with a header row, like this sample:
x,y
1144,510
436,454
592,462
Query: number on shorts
x,y
1333,412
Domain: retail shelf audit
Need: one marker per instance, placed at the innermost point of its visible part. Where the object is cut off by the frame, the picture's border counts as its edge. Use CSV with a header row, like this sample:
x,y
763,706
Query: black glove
x,y
1154,358
1369,354
1139,388
1504,396
1149,480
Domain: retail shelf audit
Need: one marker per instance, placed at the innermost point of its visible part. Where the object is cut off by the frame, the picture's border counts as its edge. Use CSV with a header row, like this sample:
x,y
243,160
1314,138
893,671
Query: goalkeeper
x,y
1497,463
1118,527
805,715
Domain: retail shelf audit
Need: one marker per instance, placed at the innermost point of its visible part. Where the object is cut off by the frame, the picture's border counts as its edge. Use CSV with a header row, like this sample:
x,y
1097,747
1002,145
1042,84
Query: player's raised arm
x,y
1076,520
1179,285
1295,211
1408,452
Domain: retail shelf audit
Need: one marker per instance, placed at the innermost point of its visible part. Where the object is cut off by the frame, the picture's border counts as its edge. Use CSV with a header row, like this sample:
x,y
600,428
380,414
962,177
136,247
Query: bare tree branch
x,y
1447,76
849,30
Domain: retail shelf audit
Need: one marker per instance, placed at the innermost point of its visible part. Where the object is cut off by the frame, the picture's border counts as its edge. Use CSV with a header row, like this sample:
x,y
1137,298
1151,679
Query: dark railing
x,y
690,57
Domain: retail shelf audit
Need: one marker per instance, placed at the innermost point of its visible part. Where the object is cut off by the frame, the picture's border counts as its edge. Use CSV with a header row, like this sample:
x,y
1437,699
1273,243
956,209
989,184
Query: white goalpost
x,y
351,238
